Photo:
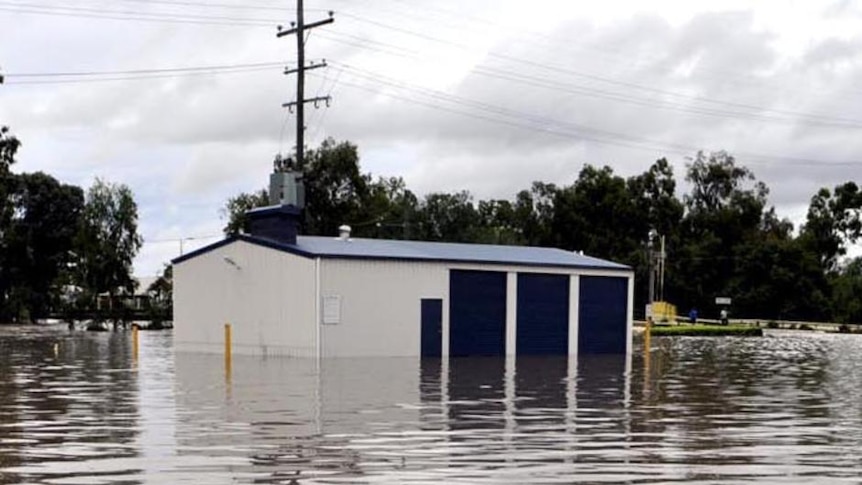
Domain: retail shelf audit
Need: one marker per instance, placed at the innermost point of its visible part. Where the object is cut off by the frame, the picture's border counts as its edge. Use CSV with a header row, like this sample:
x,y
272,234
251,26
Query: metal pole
x,y
300,86
227,351
663,257
135,342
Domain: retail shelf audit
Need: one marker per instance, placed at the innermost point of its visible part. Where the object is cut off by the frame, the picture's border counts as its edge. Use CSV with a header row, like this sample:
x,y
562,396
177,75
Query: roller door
x,y
477,313
602,310
543,314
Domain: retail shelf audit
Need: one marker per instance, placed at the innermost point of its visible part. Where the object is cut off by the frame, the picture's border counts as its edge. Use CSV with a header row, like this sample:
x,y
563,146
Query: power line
x,y
178,239
138,77
220,20
451,14
82,12
218,67
499,115
764,115
761,113
242,6
551,41
597,78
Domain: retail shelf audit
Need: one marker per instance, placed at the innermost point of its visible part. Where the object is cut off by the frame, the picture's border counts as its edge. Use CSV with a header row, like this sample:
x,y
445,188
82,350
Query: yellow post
x,y
647,336
135,342
647,353
227,351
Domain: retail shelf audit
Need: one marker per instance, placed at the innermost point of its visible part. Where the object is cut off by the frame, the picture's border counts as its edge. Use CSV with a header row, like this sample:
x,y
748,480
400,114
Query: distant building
x,y
139,299
293,295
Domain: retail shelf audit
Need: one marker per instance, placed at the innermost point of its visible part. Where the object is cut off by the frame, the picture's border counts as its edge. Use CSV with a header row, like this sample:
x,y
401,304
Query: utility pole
x,y
298,28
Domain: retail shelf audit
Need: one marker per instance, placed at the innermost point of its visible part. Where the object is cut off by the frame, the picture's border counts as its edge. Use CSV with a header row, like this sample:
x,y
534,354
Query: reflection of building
x,y
398,420
324,296
292,418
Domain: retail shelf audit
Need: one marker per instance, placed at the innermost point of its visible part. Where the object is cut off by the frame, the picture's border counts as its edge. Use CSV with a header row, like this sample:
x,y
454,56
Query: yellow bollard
x,y
647,355
227,351
135,342
647,336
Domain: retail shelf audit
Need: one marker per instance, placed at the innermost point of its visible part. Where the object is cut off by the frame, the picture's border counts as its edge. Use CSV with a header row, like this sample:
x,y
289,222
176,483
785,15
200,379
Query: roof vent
x,y
344,232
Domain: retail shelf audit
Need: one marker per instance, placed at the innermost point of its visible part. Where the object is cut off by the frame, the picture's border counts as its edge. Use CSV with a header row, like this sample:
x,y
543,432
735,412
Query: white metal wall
x,y
380,305
275,302
268,297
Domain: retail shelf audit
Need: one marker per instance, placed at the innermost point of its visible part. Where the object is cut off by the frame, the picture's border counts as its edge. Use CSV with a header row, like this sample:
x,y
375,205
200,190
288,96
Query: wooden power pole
x,y
298,28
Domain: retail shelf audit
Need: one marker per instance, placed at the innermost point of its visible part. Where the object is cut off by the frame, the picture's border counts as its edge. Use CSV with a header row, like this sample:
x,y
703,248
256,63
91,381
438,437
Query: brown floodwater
x,y
81,408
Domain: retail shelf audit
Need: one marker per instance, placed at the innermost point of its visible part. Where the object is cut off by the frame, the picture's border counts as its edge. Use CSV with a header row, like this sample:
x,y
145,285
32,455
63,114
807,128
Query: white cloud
x,y
547,88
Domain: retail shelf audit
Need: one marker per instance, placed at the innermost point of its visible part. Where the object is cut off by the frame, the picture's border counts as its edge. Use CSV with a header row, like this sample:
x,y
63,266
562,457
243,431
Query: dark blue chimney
x,y
276,222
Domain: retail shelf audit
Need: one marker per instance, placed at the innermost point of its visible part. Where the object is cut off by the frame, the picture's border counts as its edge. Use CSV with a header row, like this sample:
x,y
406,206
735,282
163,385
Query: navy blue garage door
x,y
477,313
543,314
602,310
432,327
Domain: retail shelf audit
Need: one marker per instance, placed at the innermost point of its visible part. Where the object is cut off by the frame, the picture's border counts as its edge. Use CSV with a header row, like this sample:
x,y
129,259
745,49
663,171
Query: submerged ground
x,y
80,407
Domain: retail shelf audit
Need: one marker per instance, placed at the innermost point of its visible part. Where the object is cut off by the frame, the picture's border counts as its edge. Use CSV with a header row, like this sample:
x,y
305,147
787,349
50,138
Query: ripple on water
x,y
782,408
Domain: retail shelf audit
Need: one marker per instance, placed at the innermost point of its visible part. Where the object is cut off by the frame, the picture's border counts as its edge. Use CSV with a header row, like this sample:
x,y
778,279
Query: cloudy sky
x,y
181,99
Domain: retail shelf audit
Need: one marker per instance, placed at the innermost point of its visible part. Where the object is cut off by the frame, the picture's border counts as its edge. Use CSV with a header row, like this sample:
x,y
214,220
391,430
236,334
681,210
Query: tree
x,y
498,223
336,192
335,189
597,215
38,241
236,207
725,209
161,304
847,286
107,240
8,147
390,209
833,220
654,192
534,213
448,217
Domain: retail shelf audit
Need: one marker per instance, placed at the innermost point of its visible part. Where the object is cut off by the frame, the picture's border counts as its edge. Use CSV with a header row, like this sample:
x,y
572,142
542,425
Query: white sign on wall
x,y
331,310
722,300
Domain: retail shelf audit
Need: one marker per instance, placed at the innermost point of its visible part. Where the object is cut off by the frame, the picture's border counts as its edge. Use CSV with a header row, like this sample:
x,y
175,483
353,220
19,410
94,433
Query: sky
x,y
181,99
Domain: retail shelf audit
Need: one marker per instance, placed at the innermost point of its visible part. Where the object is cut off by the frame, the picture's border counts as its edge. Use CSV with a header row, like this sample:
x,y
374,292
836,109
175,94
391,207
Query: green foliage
x,y
58,249
847,289
833,220
107,240
8,147
723,238
37,242
236,207
161,305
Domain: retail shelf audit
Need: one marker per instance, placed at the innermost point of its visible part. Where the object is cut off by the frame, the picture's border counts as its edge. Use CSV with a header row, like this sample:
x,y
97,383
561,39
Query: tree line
x,y
723,237
61,247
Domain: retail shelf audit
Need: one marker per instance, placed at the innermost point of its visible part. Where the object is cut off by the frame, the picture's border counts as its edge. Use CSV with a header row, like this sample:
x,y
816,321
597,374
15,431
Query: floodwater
x,y
81,408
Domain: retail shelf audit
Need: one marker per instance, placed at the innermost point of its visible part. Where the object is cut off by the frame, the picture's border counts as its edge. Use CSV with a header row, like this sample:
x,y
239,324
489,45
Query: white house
x,y
304,296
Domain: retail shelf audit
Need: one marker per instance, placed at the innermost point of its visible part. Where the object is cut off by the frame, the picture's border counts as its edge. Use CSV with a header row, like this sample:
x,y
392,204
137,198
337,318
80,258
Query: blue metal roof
x,y
387,249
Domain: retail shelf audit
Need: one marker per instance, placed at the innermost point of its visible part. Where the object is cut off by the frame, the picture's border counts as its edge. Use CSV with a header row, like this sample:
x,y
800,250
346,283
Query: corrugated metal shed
x,y
385,249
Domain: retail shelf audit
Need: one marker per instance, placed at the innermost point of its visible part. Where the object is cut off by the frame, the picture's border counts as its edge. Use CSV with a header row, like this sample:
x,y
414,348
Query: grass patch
x,y
707,331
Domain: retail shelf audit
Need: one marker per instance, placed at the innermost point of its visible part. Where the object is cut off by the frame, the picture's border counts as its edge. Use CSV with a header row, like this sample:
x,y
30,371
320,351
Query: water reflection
x,y
785,408
68,405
